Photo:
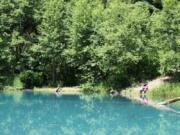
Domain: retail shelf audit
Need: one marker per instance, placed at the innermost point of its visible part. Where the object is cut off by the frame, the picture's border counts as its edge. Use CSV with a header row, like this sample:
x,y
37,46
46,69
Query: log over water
x,y
169,101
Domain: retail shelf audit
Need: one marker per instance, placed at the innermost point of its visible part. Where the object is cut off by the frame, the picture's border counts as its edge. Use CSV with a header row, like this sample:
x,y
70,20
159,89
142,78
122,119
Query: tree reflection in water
x,y
46,114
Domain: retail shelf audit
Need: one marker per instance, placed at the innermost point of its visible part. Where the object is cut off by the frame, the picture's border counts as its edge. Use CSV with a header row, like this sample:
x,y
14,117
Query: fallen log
x,y
169,101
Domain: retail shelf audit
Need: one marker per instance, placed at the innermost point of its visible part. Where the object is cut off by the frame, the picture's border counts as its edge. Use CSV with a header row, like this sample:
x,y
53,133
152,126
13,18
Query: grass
x,y
167,90
130,92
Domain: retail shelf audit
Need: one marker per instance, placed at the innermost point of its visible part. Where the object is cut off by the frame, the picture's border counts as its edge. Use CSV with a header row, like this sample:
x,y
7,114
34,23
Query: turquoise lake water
x,y
26,113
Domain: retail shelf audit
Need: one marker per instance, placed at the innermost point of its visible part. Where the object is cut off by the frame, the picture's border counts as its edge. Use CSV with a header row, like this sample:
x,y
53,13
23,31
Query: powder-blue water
x,y
23,113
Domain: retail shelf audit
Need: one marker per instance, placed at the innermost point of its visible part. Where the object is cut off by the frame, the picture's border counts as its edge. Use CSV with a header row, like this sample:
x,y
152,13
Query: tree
x,y
126,44
52,39
12,39
166,29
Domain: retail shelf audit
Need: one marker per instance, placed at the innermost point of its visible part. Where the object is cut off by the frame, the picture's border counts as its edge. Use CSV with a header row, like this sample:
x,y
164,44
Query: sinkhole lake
x,y
28,113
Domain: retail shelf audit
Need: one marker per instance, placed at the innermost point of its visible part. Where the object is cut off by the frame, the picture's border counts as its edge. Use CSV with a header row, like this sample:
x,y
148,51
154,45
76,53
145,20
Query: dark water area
x,y
28,113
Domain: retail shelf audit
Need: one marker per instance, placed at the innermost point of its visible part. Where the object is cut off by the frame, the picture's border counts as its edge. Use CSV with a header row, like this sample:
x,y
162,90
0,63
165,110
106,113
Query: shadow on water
x,y
31,113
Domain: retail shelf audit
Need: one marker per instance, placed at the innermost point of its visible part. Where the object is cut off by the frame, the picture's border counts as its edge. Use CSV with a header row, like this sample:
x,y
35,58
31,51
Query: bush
x,y
9,88
89,88
31,79
119,81
17,84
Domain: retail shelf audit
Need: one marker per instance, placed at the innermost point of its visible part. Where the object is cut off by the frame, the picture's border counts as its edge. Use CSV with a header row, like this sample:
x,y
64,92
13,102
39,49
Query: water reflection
x,y
143,99
175,106
45,114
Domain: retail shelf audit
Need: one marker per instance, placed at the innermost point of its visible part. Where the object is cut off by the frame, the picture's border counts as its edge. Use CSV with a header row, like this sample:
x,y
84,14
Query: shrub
x,y
9,88
89,88
119,81
17,84
31,79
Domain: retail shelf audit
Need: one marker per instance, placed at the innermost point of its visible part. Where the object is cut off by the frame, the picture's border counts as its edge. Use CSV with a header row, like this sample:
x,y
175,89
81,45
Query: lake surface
x,y
26,113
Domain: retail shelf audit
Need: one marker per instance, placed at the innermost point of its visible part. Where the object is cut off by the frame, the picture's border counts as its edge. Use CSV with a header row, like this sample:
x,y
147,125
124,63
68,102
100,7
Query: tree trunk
x,y
53,73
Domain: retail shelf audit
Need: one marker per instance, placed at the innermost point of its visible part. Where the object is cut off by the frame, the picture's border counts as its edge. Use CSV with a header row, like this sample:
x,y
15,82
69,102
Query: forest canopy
x,y
71,42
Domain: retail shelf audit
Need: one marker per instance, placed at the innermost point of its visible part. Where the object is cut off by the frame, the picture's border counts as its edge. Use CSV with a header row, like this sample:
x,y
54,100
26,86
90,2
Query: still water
x,y
27,113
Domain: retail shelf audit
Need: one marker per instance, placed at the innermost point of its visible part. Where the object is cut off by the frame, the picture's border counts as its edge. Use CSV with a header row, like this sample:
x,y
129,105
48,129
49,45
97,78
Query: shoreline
x,y
131,93
149,102
64,90
50,90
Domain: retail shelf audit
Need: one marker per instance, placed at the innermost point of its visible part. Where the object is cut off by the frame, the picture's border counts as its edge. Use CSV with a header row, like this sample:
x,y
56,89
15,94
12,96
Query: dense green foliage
x,y
71,42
